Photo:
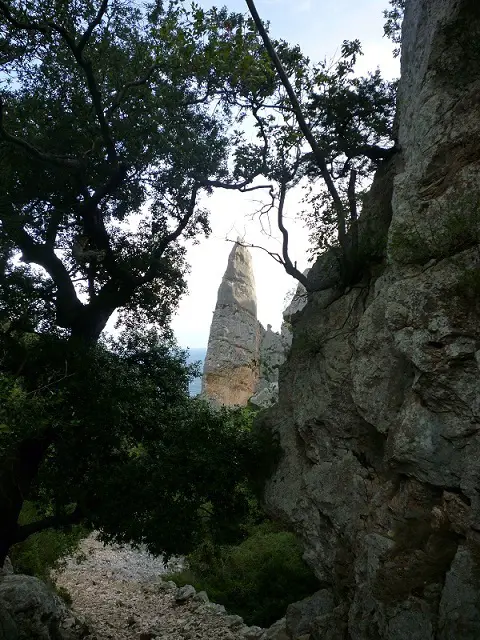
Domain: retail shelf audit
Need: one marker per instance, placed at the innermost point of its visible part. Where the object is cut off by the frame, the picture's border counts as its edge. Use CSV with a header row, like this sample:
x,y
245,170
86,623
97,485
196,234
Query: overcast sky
x,y
319,27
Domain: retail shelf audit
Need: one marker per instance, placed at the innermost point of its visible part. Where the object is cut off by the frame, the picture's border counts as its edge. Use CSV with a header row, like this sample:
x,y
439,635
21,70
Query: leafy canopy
x,y
115,118
132,454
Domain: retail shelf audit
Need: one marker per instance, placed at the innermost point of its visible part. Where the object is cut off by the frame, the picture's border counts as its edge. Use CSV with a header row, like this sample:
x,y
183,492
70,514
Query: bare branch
x,y
304,127
284,259
249,245
290,268
352,203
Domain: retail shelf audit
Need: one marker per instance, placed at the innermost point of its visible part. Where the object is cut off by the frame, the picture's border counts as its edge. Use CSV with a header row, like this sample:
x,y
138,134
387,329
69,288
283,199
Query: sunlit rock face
x,y
379,400
243,358
231,369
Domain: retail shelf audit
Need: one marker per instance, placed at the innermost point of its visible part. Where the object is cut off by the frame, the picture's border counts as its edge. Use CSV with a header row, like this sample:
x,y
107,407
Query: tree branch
x,y
284,259
61,521
94,225
290,268
60,161
239,186
304,127
95,22
52,228
67,304
96,97
352,203
85,65
120,95
372,152
41,27
171,237
249,245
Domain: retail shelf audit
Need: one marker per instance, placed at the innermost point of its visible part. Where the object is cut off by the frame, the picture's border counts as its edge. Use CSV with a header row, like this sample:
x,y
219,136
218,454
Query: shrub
x,y
43,551
256,579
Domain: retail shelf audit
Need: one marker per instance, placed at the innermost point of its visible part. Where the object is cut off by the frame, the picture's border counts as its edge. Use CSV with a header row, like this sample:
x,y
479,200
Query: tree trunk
x,y
19,466
18,469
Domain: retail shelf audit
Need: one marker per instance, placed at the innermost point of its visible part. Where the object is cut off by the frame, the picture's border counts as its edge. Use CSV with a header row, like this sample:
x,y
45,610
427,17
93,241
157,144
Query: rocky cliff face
x,y
379,410
231,368
242,358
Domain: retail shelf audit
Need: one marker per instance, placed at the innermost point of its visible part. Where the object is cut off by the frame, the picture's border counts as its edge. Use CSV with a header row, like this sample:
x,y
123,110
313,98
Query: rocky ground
x,y
120,593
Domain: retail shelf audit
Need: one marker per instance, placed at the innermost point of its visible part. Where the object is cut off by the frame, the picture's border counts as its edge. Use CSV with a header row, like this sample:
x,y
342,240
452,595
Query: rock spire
x,y
231,367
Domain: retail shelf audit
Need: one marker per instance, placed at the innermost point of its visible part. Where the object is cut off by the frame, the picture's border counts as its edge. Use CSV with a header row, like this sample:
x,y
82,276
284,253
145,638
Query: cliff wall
x,y
379,407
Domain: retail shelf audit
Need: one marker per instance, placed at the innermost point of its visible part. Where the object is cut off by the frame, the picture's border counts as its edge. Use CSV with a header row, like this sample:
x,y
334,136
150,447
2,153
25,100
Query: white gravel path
x,y
119,592
120,562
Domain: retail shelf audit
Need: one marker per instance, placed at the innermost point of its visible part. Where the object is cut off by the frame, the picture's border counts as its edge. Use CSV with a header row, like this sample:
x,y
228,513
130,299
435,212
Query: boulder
x,y
266,397
32,611
7,568
252,633
8,628
302,615
278,631
185,593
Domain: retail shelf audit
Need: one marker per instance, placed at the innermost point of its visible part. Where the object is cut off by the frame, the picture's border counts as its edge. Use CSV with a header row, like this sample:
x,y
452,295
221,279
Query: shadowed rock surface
x,y
379,400
30,610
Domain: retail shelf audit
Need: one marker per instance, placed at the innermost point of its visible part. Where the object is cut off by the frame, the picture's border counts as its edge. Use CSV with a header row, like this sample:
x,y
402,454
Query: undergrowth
x,y
44,551
256,579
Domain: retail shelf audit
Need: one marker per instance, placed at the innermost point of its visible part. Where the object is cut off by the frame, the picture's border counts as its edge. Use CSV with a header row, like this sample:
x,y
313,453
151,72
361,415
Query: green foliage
x,y
257,578
105,113
351,119
142,461
448,228
44,551
393,25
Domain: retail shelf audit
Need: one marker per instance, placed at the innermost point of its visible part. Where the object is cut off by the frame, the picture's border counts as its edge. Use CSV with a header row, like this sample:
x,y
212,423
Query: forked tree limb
x,y
290,268
304,127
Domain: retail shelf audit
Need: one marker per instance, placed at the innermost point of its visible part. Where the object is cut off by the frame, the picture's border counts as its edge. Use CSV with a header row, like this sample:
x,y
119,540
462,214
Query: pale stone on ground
x,y
120,593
